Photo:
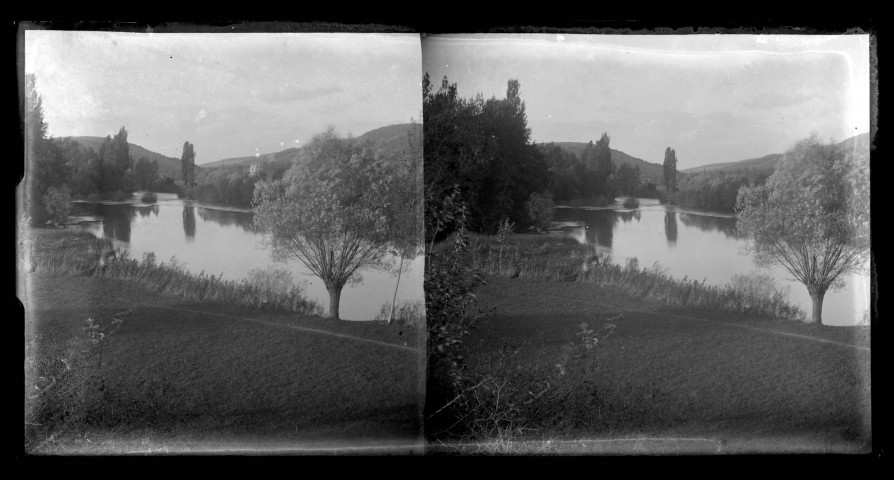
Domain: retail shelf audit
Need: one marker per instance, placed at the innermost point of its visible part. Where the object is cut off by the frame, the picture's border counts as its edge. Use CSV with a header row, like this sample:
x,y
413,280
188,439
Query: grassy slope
x,y
664,376
230,382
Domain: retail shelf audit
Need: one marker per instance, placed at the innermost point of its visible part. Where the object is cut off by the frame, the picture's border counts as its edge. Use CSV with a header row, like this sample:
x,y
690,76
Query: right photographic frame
x,y
648,244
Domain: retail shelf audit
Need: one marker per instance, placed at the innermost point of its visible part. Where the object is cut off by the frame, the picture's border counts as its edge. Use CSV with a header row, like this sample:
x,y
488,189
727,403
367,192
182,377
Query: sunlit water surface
x,y
698,245
220,240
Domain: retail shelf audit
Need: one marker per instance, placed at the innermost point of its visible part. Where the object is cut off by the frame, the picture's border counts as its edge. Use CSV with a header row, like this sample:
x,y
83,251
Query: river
x,y
218,239
699,245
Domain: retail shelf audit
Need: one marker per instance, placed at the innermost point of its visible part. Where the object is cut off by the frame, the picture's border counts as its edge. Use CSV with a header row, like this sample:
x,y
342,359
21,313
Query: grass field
x,y
682,380
182,376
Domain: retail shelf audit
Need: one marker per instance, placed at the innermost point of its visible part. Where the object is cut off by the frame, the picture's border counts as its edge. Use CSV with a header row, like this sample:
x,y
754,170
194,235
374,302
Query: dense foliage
x,y
333,213
670,169
811,217
484,147
715,190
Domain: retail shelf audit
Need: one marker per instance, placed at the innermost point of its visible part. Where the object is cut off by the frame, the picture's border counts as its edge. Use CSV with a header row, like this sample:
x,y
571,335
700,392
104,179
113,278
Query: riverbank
x,y
574,354
186,375
532,256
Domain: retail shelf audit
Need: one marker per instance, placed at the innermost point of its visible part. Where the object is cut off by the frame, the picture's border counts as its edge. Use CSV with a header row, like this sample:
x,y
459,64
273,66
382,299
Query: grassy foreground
x,y
579,355
181,375
668,379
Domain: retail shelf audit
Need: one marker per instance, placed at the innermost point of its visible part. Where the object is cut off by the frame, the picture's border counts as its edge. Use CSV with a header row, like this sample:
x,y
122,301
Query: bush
x,y
540,210
57,202
631,202
64,391
149,197
93,197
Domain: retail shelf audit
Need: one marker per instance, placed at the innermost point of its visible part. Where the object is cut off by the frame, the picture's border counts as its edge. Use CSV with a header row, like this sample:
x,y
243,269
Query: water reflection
x,y
227,218
708,223
702,246
670,227
230,247
628,216
116,221
145,211
189,223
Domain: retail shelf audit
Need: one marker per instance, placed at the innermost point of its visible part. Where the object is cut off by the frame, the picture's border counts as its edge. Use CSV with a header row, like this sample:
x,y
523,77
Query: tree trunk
x,y
334,298
394,299
817,317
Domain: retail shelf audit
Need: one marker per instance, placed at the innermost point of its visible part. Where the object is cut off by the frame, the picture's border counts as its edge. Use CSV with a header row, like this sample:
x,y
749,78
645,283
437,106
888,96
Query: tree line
x,y
483,147
59,169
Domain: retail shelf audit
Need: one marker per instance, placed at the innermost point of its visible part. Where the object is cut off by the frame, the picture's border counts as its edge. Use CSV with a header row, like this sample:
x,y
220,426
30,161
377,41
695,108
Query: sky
x,y
712,98
230,95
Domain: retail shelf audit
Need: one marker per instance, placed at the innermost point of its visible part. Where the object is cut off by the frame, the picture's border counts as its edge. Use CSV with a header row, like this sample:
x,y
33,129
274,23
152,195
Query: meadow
x,y
184,369
612,360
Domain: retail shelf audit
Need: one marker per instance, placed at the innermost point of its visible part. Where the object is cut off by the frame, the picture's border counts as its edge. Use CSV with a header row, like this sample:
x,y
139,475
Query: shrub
x,y
149,197
57,202
540,210
64,390
93,197
631,202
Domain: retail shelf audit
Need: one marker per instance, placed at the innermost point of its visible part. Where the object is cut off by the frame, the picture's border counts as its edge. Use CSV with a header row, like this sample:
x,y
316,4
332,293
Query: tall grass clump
x,y
405,313
751,294
149,197
98,258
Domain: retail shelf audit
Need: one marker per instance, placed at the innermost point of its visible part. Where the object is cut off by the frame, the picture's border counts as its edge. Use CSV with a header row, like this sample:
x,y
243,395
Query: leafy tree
x,y
540,209
670,170
45,166
145,172
330,214
57,202
811,217
628,179
188,164
484,147
603,156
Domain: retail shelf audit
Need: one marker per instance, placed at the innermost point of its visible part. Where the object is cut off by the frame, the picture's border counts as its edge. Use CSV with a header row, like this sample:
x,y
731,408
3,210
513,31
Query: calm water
x,y
699,245
221,240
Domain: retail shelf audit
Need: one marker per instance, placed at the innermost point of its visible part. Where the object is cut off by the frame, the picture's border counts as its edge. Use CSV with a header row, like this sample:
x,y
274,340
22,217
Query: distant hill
x,y
765,163
286,155
389,139
167,166
858,144
649,172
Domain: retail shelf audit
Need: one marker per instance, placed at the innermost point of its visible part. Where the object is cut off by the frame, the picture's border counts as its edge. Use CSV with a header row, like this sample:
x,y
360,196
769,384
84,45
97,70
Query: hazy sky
x,y
712,98
228,94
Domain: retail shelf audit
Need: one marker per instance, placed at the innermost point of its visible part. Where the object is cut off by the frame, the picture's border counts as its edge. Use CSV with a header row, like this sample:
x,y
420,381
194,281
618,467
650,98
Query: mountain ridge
x,y
769,162
390,138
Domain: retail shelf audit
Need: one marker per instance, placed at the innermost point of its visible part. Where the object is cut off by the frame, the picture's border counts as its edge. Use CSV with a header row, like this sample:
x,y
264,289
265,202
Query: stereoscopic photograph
x,y
260,242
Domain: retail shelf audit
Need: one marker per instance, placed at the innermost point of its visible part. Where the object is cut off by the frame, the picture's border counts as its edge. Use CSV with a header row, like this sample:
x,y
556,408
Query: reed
x,y
562,261
90,256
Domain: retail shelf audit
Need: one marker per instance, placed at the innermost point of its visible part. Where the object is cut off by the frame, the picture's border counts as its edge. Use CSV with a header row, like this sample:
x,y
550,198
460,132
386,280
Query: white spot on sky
x,y
297,141
201,115
257,155
282,143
